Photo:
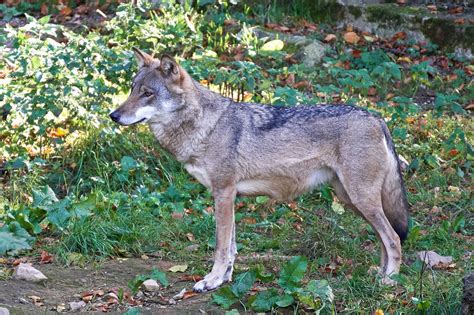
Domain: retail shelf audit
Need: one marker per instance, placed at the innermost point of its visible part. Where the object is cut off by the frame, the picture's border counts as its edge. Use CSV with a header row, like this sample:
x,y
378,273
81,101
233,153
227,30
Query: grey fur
x,y
253,149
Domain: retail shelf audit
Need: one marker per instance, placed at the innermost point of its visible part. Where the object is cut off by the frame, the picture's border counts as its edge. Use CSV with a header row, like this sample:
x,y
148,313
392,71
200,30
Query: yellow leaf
x,y
61,132
404,59
378,312
273,45
179,268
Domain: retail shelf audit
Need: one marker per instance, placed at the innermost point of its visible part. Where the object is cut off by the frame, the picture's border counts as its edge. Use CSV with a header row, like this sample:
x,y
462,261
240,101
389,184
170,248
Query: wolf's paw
x,y
388,282
209,283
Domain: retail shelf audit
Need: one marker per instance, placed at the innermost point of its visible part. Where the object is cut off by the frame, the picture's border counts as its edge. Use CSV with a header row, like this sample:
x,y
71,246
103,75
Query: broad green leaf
x,y
128,163
202,3
273,45
58,214
320,288
292,273
159,276
309,300
264,277
44,197
285,300
84,207
10,242
243,282
265,300
224,297
232,312
18,163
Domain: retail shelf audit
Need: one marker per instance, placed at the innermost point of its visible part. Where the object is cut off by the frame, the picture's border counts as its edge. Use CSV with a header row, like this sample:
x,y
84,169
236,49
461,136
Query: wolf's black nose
x,y
114,116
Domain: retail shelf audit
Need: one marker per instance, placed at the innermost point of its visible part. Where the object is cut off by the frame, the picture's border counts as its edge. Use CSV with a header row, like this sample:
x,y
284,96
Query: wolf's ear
x,y
143,59
170,68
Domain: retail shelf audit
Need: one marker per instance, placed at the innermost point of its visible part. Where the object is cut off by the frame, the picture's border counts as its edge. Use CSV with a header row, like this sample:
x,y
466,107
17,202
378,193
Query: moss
x,y
384,14
355,11
437,29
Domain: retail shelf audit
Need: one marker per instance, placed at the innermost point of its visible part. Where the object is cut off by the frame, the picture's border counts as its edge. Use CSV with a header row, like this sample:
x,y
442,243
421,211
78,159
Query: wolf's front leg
x,y
225,242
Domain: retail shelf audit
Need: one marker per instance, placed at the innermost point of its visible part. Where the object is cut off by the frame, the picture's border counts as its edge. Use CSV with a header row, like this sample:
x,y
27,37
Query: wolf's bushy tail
x,y
394,198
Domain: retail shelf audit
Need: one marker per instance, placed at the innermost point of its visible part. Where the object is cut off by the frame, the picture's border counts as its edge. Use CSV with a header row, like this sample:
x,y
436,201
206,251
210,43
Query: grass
x,y
144,201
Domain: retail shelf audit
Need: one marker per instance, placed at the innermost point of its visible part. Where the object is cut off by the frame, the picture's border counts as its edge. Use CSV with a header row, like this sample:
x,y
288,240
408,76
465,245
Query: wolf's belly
x,y
284,187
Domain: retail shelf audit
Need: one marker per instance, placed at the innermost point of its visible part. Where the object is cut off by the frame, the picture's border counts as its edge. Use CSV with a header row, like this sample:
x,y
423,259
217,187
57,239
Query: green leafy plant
x,y
155,274
315,295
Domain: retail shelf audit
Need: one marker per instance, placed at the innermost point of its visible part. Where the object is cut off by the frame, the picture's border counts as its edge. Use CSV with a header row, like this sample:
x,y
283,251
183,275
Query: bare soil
x,y
67,284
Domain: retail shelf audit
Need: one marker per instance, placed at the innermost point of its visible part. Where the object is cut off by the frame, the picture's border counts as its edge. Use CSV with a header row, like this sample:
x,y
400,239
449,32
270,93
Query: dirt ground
x,y
68,284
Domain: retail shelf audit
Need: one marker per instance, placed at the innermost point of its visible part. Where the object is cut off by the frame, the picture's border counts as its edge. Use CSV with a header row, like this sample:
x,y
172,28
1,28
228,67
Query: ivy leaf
x,y
292,273
10,242
224,297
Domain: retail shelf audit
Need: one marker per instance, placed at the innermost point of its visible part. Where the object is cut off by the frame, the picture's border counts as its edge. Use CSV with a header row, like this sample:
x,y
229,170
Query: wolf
x,y
254,149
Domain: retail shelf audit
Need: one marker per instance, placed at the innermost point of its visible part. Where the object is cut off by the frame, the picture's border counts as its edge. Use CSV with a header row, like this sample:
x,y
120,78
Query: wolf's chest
x,y
199,173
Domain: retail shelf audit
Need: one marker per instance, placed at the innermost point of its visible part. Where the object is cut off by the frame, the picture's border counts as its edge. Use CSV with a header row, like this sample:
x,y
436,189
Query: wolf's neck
x,y
185,134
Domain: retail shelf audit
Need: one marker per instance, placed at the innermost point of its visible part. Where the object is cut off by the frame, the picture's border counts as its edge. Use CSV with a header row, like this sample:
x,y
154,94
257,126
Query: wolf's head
x,y
157,90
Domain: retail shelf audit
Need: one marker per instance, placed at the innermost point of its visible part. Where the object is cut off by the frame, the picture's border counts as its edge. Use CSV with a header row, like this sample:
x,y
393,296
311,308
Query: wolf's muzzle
x,y
115,116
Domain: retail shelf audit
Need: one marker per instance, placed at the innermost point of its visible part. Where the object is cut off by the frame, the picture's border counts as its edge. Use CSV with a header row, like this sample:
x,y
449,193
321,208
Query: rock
x,y
468,295
28,273
151,285
111,297
76,306
23,301
180,295
192,248
4,311
311,54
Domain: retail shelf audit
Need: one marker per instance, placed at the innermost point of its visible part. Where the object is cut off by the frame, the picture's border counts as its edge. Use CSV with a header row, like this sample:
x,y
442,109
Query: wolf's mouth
x,y
137,122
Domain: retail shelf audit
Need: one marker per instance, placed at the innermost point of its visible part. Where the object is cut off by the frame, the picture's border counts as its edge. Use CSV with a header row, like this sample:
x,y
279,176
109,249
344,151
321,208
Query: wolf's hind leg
x,y
342,195
368,202
224,254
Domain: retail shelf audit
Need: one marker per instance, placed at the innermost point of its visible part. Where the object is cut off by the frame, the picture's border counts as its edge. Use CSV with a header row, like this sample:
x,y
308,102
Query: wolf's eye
x,y
147,93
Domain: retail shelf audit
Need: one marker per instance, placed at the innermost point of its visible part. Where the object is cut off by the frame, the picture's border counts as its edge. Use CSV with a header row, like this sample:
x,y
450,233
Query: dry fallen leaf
x,y
330,38
44,9
351,38
189,294
65,11
193,278
434,260
372,91
36,300
46,257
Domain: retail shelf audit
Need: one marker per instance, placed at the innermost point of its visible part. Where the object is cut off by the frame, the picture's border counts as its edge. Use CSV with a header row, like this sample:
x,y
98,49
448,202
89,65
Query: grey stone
x,y
28,273
151,285
311,54
76,306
